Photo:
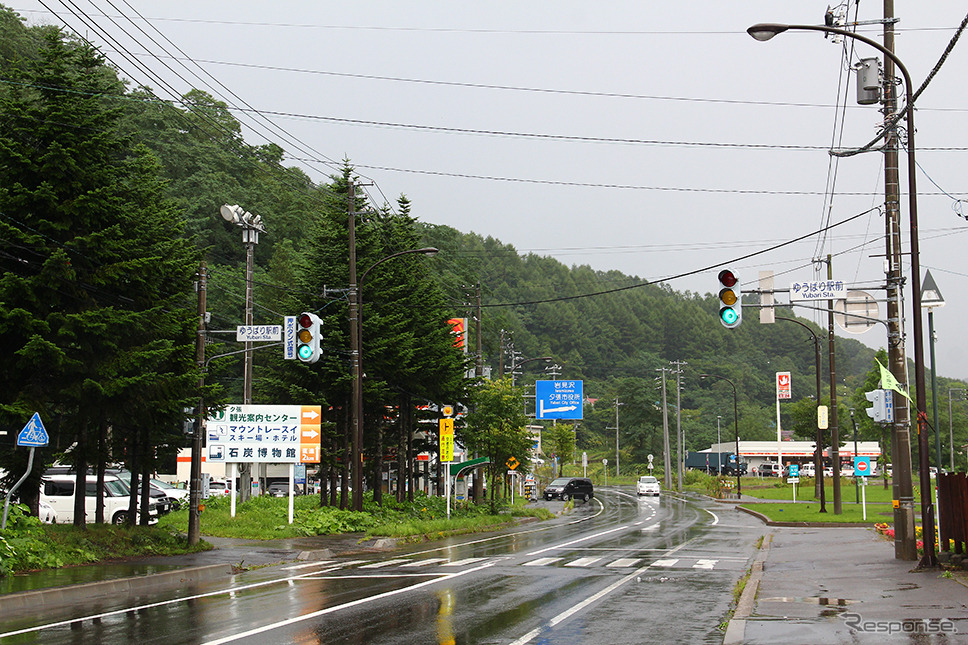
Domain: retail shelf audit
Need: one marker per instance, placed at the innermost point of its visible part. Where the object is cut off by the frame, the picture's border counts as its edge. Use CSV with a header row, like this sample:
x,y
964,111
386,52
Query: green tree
x,y
497,428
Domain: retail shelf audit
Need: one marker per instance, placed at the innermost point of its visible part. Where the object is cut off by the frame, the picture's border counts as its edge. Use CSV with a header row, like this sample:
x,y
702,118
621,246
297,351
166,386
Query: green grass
x,y
876,493
265,518
852,513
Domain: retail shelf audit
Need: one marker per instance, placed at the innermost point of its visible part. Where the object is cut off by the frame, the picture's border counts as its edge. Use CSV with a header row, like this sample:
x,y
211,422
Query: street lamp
x,y
251,226
356,341
766,31
739,485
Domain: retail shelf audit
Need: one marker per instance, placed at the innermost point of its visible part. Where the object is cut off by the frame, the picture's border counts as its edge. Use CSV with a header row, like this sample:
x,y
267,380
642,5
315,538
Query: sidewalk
x,y
843,585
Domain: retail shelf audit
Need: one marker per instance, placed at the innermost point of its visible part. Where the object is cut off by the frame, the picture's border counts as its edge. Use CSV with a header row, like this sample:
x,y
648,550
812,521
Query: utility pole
x,y
479,363
905,545
195,481
834,432
616,437
681,441
356,430
667,454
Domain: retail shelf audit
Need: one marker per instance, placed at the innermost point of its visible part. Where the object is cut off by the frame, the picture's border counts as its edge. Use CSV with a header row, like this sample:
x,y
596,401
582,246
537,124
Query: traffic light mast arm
x,y
242,351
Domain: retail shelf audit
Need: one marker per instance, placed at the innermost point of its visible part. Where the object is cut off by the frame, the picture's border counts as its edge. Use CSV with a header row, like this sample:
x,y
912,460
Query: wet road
x,y
617,569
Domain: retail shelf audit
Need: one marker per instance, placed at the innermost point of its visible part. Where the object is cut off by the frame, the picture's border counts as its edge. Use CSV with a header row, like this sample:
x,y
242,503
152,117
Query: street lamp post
x,y
719,447
739,485
356,342
766,31
251,226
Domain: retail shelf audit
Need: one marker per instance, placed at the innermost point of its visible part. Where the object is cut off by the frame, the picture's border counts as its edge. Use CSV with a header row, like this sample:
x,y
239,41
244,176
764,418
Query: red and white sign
x,y
783,385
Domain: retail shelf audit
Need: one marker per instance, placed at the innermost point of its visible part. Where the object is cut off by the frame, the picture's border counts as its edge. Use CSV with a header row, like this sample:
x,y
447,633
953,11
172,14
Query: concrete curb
x,y
30,602
736,629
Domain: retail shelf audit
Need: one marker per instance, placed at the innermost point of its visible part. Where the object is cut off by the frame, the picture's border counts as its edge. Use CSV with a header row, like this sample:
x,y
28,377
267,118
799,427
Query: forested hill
x,y
606,325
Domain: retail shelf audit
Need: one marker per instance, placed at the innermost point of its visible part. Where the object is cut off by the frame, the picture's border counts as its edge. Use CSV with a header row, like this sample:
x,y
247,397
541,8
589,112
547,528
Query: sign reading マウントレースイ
x,y
265,433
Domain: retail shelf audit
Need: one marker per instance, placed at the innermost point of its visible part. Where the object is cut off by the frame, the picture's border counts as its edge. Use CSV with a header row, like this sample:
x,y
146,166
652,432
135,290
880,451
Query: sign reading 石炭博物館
x,y
558,399
818,290
279,434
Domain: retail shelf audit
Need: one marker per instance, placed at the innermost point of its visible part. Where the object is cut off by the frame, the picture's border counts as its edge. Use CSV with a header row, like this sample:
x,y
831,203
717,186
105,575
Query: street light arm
x,y
428,250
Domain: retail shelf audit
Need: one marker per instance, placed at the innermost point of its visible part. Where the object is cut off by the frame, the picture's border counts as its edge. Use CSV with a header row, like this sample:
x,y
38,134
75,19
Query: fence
x,y
953,510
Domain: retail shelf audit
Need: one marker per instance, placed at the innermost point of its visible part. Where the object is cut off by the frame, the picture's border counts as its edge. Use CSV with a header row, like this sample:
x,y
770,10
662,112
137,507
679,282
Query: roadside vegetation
x,y
29,545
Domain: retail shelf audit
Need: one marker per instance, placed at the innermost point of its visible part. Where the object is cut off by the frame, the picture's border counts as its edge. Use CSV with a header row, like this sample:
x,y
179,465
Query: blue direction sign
x,y
34,435
558,399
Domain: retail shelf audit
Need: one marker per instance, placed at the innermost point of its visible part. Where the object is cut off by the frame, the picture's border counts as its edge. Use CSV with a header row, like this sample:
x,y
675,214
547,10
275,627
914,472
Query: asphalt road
x,y
616,570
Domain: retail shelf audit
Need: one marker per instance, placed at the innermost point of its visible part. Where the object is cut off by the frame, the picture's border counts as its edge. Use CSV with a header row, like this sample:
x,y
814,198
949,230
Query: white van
x,y
771,469
57,490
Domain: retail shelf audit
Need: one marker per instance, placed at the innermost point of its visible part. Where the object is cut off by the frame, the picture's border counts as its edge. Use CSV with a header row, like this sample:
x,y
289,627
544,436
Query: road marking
x,y
583,562
671,562
540,562
589,537
715,517
318,563
704,564
623,563
461,563
353,603
385,563
425,562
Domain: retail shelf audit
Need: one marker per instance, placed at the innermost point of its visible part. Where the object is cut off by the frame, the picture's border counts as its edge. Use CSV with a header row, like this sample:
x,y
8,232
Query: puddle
x,y
812,600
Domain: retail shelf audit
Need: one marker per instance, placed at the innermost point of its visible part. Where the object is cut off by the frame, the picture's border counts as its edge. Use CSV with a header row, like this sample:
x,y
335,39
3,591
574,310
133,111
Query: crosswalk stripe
x,y
665,563
540,562
624,563
425,562
460,563
704,564
384,563
583,562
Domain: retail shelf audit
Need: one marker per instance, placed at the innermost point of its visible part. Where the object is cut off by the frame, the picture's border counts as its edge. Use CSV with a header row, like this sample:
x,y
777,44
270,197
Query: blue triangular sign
x,y
34,435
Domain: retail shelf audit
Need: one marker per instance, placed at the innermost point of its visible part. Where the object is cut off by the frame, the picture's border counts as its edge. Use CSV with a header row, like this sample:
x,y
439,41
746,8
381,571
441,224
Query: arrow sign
x,y
566,408
310,413
310,433
34,435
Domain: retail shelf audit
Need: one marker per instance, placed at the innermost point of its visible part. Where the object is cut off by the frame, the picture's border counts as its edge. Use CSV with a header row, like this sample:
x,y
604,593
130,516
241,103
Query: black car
x,y
282,490
566,488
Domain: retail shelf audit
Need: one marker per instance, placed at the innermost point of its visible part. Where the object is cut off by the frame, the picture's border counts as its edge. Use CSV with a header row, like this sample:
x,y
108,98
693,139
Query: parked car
x,y
771,469
808,470
647,485
281,489
46,513
178,496
57,491
828,471
847,471
216,488
566,488
165,503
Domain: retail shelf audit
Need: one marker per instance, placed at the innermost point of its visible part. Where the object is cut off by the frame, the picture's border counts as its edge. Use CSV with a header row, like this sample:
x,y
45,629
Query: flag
x,y
890,383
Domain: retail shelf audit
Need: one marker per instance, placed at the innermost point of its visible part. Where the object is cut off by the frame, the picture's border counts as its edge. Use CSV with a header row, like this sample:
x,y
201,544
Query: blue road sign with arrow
x,y
34,435
558,399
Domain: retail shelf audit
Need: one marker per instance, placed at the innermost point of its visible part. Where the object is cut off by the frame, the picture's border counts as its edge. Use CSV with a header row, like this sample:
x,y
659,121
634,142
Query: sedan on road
x,y
647,485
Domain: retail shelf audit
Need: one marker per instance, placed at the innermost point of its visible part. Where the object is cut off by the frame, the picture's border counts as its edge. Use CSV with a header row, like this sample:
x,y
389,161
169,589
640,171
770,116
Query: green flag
x,y
890,383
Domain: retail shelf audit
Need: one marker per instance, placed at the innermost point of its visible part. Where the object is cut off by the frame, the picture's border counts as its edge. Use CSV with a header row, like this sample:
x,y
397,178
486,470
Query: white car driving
x,y
647,485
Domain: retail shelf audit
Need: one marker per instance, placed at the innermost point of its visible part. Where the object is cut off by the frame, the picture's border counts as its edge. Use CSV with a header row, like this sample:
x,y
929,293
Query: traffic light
x,y
730,299
308,335
882,410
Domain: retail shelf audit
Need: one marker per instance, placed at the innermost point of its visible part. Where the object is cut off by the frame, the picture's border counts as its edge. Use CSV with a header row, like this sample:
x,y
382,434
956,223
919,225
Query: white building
x,y
755,453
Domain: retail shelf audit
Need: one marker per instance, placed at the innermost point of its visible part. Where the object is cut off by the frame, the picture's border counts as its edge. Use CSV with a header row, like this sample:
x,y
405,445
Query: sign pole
x,y
6,504
447,485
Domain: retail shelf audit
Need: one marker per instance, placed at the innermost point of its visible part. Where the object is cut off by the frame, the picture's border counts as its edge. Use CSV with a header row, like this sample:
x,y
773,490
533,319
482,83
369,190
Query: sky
x,y
656,139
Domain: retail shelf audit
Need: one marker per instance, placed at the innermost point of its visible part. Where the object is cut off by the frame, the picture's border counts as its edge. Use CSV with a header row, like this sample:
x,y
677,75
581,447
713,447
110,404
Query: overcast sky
x,y
652,138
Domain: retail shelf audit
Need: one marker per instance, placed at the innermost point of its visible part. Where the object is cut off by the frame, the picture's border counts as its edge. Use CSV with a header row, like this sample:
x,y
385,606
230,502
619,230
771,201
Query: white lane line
x,y
669,562
354,603
534,633
715,517
385,563
566,544
425,562
623,563
583,562
232,591
318,563
541,562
